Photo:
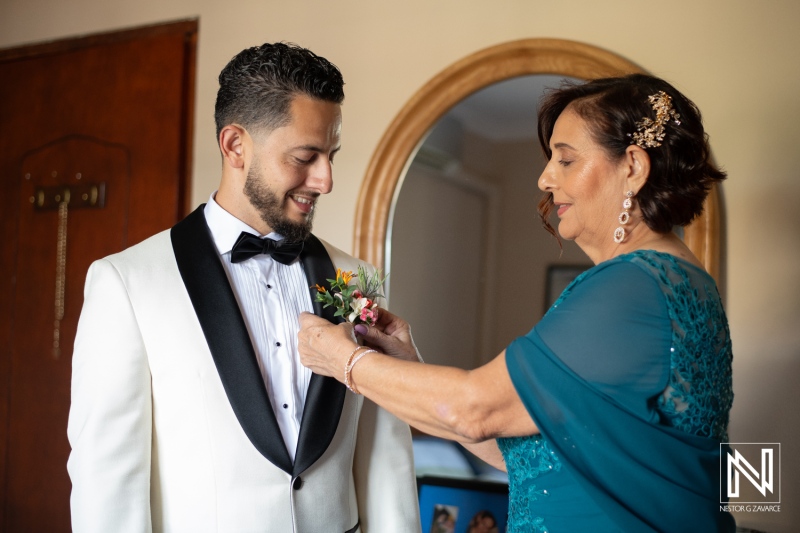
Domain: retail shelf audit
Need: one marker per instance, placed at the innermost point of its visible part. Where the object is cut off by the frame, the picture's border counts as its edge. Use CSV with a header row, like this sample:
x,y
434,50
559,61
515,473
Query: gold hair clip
x,y
649,132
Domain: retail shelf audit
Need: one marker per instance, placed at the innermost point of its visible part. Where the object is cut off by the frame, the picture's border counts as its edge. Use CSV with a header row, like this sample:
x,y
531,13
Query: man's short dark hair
x,y
257,86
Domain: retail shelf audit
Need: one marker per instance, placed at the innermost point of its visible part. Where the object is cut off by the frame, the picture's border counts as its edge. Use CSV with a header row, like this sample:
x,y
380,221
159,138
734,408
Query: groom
x,y
190,409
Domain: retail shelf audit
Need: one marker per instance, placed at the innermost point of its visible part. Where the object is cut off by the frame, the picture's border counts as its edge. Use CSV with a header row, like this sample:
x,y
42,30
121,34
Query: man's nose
x,y
321,178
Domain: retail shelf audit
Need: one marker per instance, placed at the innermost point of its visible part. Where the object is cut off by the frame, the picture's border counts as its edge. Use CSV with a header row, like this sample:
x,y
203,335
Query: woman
x,y
611,411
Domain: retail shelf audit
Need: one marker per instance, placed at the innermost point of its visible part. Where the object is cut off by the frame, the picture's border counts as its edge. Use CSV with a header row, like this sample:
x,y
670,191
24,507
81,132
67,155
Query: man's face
x,y
293,165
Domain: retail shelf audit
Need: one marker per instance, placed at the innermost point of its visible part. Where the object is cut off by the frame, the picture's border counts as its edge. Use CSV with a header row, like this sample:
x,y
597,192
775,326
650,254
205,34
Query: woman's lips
x,y
562,208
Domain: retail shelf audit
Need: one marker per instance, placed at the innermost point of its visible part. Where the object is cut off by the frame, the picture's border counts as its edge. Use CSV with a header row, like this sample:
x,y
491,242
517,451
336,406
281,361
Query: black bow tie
x,y
249,245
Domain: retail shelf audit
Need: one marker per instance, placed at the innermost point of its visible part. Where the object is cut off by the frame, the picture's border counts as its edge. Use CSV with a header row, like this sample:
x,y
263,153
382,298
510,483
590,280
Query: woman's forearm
x,y
468,406
433,399
462,405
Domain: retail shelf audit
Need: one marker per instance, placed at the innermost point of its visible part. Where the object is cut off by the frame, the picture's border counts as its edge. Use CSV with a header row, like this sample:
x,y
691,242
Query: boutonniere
x,y
357,301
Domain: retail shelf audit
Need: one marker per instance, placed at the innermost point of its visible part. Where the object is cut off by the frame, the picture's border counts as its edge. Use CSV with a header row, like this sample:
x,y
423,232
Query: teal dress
x,y
628,378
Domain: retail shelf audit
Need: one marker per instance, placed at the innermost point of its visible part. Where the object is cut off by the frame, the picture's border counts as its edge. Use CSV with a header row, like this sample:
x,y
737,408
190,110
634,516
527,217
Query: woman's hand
x,y
325,347
391,335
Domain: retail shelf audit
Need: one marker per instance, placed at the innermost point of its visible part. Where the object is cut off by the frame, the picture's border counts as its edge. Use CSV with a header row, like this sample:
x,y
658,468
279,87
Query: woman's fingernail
x,y
361,329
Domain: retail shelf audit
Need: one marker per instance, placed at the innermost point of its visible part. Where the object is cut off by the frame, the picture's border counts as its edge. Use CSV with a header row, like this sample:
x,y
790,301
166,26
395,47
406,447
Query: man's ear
x,y
637,168
233,143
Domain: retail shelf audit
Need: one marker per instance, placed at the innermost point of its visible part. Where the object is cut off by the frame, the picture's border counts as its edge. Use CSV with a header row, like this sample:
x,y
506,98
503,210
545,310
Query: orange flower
x,y
344,276
320,289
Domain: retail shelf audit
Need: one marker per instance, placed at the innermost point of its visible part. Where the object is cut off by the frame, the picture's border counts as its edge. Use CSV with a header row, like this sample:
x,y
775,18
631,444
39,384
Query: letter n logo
x,y
756,463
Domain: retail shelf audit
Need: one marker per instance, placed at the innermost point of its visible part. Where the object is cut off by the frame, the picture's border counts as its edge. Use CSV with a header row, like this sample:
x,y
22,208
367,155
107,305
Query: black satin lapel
x,y
325,396
319,269
227,336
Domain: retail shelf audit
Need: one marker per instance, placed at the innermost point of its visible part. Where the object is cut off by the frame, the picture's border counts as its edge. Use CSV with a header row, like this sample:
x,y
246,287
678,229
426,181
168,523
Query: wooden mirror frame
x,y
474,72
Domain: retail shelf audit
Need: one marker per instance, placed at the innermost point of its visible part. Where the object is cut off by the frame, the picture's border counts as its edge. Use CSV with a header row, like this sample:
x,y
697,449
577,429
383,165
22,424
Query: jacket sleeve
x,y
386,486
110,419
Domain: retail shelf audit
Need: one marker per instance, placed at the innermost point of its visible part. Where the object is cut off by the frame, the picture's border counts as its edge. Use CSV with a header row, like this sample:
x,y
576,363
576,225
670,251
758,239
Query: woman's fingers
x,y
308,320
324,346
377,339
390,323
398,345
314,343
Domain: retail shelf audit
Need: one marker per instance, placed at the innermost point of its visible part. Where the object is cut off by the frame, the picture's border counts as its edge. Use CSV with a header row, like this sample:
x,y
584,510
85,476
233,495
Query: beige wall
x,y
524,249
438,266
736,59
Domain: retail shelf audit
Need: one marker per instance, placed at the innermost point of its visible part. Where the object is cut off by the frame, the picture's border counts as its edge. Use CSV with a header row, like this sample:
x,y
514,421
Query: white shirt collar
x,y
226,228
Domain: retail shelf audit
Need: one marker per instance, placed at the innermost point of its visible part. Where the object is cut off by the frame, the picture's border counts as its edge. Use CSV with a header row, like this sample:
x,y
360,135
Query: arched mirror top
x,y
474,72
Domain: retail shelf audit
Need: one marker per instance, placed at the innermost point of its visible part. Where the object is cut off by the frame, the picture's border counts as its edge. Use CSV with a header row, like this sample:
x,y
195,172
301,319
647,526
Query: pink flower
x,y
369,316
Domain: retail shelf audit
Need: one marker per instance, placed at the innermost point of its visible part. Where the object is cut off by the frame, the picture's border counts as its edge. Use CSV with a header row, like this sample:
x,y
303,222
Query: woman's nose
x,y
545,182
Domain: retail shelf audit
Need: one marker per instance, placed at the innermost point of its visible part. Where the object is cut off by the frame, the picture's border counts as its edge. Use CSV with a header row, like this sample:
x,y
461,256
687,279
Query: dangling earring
x,y
624,217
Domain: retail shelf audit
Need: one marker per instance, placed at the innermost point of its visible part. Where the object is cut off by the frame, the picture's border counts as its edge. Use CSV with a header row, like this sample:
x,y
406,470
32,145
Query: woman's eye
x,y
564,162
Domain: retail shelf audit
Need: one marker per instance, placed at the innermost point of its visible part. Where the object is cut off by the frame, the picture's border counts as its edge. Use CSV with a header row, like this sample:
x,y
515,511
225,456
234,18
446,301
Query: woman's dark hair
x,y
257,86
681,173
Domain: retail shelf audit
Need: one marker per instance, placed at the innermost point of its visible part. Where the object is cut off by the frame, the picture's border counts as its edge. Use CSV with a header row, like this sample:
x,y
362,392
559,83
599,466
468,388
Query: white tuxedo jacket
x,y
170,424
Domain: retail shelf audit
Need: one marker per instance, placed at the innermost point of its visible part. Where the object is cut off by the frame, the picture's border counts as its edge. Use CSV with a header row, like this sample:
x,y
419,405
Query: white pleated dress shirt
x,y
271,296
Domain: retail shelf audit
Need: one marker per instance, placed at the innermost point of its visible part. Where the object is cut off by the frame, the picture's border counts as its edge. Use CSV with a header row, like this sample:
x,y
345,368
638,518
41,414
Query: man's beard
x,y
270,207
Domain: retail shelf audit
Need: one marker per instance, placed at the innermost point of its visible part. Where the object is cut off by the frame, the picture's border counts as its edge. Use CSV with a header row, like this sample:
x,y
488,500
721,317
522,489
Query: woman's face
x,y
588,188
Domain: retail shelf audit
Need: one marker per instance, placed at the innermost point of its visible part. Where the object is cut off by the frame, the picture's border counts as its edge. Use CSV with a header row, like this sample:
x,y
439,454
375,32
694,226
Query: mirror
x,y
454,198
465,245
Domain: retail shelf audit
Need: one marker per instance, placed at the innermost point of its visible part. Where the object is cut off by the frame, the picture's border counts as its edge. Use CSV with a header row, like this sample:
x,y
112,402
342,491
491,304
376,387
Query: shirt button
x,y
277,344
286,406
269,286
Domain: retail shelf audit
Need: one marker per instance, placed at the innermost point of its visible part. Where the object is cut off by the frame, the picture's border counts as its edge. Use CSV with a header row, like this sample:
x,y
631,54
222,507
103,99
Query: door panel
x,y
111,111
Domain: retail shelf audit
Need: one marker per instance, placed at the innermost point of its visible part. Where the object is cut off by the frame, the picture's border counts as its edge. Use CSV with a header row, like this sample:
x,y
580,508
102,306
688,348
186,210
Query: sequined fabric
x,y
531,457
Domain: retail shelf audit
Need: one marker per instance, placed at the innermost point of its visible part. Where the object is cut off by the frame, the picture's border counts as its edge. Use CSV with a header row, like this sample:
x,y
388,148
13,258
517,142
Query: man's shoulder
x,y
150,249
140,264
342,259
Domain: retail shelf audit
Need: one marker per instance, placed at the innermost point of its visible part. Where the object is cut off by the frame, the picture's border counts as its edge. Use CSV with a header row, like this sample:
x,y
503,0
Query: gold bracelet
x,y
349,370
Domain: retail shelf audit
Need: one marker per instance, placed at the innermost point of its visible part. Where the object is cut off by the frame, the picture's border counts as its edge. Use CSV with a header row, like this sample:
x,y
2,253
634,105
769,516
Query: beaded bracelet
x,y
347,366
352,354
348,378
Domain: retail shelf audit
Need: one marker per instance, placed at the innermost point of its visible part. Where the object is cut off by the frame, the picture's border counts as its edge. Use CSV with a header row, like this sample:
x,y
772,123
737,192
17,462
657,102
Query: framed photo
x,y
453,505
558,278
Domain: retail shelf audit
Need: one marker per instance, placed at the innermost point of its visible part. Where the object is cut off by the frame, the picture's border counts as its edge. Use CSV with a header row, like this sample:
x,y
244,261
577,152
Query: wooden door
x,y
94,157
